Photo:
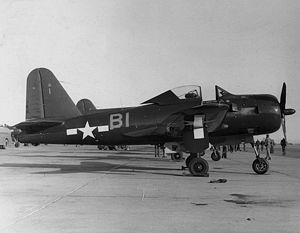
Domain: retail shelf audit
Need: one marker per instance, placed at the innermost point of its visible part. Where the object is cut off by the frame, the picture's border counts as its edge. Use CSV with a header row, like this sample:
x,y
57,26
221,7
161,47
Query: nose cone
x,y
270,114
274,118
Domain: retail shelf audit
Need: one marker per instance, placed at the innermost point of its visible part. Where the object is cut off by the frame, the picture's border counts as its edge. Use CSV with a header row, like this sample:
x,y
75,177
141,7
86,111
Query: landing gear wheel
x,y
198,167
260,166
177,157
215,156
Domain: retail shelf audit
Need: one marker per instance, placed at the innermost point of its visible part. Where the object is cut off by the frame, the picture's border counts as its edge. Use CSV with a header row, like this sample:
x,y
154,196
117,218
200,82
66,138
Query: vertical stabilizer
x,y
46,98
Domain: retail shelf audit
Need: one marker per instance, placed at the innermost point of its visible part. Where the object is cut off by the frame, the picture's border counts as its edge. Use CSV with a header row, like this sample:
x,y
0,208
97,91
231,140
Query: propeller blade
x,y
284,127
283,99
284,111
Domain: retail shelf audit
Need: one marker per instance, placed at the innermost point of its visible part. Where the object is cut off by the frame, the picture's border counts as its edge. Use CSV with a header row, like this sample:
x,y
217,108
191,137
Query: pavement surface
x,y
62,189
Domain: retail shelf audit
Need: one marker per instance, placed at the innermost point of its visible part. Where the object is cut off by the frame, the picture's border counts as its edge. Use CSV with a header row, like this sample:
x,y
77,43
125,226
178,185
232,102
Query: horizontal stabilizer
x,y
37,125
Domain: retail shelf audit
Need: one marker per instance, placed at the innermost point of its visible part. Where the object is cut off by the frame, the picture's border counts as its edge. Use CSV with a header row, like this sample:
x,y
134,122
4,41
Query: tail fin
x,y
85,106
46,98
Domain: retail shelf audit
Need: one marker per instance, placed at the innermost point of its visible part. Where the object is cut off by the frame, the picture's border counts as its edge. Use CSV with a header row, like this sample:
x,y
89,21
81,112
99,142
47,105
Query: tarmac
x,y
66,189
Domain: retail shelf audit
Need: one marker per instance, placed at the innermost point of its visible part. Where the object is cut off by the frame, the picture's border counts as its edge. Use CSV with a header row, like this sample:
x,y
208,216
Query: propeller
x,y
283,98
283,110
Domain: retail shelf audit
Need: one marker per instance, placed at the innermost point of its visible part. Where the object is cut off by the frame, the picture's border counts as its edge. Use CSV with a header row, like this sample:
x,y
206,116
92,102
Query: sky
x,y
121,53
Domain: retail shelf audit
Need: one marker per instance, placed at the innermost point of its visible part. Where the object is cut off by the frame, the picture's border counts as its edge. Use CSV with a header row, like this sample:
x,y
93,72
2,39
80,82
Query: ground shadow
x,y
90,167
232,172
101,157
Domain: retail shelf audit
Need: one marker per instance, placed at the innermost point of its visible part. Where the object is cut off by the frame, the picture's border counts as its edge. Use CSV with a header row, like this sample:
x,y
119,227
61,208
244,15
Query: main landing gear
x,y
197,165
259,165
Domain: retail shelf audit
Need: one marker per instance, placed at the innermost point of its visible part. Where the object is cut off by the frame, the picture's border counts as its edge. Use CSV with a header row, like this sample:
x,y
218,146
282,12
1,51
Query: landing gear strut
x,y
259,165
197,165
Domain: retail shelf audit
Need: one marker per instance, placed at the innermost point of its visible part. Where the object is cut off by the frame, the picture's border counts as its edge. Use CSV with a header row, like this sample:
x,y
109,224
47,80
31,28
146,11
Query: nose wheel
x,y
259,165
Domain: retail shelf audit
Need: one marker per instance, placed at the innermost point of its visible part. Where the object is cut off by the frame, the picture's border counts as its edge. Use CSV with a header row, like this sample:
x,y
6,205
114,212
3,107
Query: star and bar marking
x,y
87,130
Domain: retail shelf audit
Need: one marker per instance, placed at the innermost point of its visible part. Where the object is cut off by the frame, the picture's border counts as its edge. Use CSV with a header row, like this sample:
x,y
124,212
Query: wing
x,y
175,124
214,114
202,120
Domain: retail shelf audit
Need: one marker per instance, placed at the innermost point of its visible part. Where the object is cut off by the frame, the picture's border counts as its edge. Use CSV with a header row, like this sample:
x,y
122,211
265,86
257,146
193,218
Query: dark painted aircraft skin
x,y
185,124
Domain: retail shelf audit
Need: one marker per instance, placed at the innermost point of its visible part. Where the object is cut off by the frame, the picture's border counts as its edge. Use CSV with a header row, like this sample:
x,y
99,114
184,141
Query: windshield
x,y
187,92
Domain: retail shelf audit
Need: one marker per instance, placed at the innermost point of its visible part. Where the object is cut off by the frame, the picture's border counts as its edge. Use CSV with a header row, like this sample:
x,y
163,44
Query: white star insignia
x,y
87,130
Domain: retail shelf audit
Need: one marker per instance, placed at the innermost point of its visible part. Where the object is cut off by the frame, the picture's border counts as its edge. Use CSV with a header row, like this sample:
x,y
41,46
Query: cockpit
x,y
178,93
187,92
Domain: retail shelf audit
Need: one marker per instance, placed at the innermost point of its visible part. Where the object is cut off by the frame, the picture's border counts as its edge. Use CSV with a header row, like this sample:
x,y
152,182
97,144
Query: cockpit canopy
x,y
187,92
176,94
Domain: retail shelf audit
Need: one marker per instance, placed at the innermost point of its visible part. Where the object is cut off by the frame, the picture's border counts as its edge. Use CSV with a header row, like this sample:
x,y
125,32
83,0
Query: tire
x,y
260,166
215,156
193,155
198,166
17,144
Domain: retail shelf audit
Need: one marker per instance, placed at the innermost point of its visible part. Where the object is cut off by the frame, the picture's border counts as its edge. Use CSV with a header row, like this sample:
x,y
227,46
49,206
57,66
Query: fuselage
x,y
158,124
131,125
250,114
